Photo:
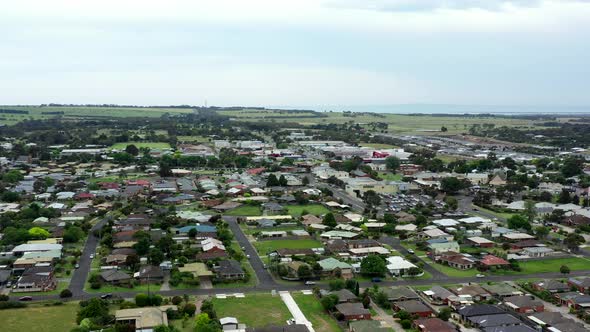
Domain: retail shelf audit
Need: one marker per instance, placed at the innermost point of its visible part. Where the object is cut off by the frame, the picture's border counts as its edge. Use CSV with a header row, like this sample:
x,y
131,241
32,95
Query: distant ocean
x,y
448,109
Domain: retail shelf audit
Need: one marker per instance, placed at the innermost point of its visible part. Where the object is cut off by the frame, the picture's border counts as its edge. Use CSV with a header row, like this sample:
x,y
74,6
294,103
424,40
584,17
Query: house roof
x,y
521,301
494,320
490,260
434,325
330,264
413,306
114,275
352,309
229,266
479,310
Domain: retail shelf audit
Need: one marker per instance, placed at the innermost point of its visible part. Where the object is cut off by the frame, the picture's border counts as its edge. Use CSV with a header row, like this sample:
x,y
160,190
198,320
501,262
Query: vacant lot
x,y
151,145
315,209
314,312
245,210
255,310
265,247
40,318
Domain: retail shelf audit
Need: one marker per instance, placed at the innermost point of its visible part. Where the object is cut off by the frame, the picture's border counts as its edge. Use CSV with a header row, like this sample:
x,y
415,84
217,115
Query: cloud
x,y
434,5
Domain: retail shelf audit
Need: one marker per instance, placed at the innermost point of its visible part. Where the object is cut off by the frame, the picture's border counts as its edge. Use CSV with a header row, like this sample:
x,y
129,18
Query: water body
x,y
449,109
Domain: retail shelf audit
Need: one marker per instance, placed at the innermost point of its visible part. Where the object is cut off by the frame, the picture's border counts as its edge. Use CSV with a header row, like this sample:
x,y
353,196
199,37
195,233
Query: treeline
x,y
7,111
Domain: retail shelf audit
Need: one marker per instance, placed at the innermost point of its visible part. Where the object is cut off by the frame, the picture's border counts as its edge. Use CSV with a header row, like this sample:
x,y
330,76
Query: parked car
x,y
309,282
106,296
77,266
376,280
411,251
479,275
26,298
91,256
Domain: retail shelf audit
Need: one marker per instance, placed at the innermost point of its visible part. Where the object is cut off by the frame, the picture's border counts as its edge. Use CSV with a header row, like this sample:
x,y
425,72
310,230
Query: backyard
x,y
254,310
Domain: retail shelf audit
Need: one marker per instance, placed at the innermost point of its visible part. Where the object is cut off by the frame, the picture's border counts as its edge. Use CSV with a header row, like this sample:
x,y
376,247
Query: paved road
x,y
264,277
395,244
81,274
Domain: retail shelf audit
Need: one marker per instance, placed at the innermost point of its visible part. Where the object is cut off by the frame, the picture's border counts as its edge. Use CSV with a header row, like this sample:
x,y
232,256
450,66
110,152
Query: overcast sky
x,y
301,52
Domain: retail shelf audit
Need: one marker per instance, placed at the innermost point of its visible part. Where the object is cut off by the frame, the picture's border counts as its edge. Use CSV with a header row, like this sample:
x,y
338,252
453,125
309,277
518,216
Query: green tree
x,y
564,197
132,149
530,210
564,269
272,181
451,185
519,222
392,163
329,302
329,220
304,272
373,265
573,241
38,233
444,313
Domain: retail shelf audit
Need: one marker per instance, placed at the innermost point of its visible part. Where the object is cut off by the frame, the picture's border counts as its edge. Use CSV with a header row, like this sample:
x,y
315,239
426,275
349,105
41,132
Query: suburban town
x,y
242,229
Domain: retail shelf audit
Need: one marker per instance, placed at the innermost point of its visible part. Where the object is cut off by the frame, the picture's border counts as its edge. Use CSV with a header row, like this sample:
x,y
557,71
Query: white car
x,y
411,251
310,282
91,256
479,275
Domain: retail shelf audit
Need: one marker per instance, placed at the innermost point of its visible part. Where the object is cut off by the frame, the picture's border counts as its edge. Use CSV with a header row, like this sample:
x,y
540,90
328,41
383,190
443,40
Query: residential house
x,y
229,269
144,319
150,274
524,304
433,324
414,307
398,266
581,284
492,261
476,292
353,311
551,285
116,277
330,266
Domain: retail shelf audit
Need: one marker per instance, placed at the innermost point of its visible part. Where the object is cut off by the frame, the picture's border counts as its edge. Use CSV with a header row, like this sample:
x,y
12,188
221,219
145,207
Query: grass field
x,y
315,209
40,318
265,247
254,310
390,176
245,210
151,145
451,272
314,312
550,265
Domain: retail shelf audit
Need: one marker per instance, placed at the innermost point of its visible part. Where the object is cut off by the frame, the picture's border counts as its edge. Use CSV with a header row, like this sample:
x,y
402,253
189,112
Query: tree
x,y
529,210
572,166
444,313
373,265
518,222
94,308
542,231
132,149
73,234
371,198
203,323
65,293
10,197
573,241
392,163
329,220
38,233
451,185
304,272
329,302
451,202
155,256
564,269
282,180
443,129
272,181
132,261
564,197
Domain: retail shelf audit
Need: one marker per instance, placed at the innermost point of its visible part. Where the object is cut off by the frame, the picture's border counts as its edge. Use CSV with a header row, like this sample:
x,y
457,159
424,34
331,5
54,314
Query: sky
x,y
295,53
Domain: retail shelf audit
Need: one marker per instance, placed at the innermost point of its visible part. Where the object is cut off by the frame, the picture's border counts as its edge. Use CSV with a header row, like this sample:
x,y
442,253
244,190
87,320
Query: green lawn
x,y
151,145
40,318
115,289
245,210
254,310
265,247
315,209
314,312
390,176
451,272
550,265
503,215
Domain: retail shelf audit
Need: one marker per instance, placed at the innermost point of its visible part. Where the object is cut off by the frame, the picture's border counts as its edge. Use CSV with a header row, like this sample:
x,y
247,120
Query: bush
x,y
189,309
65,293
11,305
4,297
176,300
406,323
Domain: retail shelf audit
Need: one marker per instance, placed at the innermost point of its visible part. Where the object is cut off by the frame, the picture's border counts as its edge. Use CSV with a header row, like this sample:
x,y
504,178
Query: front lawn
x,y
315,209
40,318
254,310
451,272
116,289
315,313
265,247
244,210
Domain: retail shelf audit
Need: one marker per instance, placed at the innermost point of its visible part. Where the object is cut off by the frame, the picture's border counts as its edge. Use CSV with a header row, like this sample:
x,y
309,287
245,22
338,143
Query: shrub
x,y
176,300
65,293
189,309
406,323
